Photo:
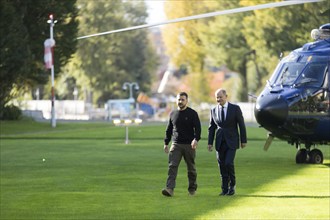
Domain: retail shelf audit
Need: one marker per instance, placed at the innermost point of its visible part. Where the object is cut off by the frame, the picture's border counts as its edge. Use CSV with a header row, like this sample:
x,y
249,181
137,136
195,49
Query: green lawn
x,y
90,173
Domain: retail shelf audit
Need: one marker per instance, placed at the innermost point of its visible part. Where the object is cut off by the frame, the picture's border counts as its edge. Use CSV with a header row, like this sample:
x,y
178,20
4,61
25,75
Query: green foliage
x,y
187,37
11,112
89,173
230,39
24,29
283,29
184,35
228,46
106,62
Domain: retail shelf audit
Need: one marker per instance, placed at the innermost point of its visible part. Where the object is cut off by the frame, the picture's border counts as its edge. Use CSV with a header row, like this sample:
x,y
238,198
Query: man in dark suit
x,y
225,119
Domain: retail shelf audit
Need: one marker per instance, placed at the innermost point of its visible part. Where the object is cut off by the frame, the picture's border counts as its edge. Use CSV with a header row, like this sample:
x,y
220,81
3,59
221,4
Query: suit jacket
x,y
227,130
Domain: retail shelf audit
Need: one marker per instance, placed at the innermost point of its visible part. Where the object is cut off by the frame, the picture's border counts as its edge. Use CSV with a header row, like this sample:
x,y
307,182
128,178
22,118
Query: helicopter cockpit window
x,y
289,73
313,75
315,80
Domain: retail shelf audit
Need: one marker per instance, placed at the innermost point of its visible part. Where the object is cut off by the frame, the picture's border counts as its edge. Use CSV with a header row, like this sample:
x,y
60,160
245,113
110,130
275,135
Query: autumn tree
x,y
185,46
248,43
226,44
206,42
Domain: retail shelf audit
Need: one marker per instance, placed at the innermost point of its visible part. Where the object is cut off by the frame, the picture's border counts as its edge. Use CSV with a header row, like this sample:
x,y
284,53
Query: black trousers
x,y
226,156
176,153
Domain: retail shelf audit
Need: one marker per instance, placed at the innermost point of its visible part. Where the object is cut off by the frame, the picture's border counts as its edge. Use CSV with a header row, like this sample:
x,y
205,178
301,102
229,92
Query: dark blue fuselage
x,y
295,104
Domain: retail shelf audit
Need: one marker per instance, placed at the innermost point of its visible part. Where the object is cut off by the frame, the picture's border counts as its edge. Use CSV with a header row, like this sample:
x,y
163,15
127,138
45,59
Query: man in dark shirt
x,y
184,128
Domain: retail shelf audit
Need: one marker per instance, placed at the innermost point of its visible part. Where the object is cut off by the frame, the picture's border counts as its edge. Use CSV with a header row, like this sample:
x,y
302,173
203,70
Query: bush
x,y
11,112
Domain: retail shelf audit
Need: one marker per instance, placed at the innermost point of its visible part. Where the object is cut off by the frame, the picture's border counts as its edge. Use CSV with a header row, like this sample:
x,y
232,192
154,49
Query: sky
x,y
155,10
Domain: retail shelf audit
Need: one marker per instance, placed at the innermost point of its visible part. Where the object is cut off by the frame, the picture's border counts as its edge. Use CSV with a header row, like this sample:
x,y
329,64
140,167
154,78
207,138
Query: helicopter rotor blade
x,y
206,15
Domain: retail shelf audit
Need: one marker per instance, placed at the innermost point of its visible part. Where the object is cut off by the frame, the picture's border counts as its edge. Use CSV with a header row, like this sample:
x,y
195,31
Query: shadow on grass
x,y
87,138
327,164
285,196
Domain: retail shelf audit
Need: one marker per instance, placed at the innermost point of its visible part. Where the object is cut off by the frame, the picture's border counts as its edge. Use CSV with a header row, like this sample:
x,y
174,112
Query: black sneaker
x,y
167,192
192,193
223,193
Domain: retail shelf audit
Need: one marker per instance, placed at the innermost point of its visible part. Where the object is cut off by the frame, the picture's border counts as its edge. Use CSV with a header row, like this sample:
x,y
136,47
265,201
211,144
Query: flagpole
x,y
52,24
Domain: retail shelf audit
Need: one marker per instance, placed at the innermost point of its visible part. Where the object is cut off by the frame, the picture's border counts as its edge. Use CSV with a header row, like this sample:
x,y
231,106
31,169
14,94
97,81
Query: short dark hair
x,y
183,94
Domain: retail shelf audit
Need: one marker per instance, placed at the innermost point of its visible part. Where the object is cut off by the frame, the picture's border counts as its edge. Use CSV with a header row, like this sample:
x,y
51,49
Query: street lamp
x,y
130,86
52,23
37,93
128,122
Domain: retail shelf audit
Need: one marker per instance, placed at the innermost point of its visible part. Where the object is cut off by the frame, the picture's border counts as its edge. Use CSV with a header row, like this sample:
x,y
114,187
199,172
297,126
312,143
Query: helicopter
x,y
295,104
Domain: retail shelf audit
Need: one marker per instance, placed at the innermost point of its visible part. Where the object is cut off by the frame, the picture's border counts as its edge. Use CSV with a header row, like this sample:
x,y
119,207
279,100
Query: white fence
x,y
248,111
246,107
66,109
79,110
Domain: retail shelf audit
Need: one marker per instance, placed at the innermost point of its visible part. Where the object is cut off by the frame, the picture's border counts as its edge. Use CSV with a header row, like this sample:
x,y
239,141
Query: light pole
x,y
37,97
75,96
132,85
127,123
52,22
129,85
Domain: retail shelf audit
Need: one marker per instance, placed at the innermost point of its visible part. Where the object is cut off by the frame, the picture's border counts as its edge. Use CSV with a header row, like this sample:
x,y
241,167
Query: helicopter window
x,y
289,73
313,75
272,79
316,103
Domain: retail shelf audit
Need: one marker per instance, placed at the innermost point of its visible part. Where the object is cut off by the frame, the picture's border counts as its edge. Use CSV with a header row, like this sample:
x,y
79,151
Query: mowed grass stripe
x,y
88,176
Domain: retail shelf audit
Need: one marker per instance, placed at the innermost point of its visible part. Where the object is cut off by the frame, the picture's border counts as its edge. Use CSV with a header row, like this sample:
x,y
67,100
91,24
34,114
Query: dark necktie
x,y
222,114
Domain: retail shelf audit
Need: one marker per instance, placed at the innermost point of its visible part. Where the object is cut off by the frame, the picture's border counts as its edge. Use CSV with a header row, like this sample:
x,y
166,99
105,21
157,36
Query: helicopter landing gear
x,y
301,156
314,156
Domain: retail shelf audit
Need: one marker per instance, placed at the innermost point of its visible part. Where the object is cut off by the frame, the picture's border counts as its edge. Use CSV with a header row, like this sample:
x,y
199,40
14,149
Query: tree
x,y
207,42
248,43
185,46
106,62
226,44
272,31
24,29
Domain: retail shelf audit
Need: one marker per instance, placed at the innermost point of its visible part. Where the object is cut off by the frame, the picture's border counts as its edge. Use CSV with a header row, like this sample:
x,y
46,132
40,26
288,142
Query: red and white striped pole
x,y
49,62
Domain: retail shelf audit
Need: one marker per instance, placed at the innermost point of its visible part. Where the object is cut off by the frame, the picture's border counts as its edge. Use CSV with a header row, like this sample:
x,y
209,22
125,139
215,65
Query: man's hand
x,y
243,145
166,148
210,147
194,144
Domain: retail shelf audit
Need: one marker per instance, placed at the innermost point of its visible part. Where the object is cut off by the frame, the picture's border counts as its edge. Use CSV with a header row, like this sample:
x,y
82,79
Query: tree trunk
x,y
244,88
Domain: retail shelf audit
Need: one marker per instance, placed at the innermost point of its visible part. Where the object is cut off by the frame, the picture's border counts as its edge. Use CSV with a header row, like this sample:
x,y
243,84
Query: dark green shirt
x,y
183,127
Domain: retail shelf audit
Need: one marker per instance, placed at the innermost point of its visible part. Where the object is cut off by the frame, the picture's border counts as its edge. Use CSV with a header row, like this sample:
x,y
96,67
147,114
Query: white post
x,y
126,139
137,109
75,97
127,122
53,120
37,97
